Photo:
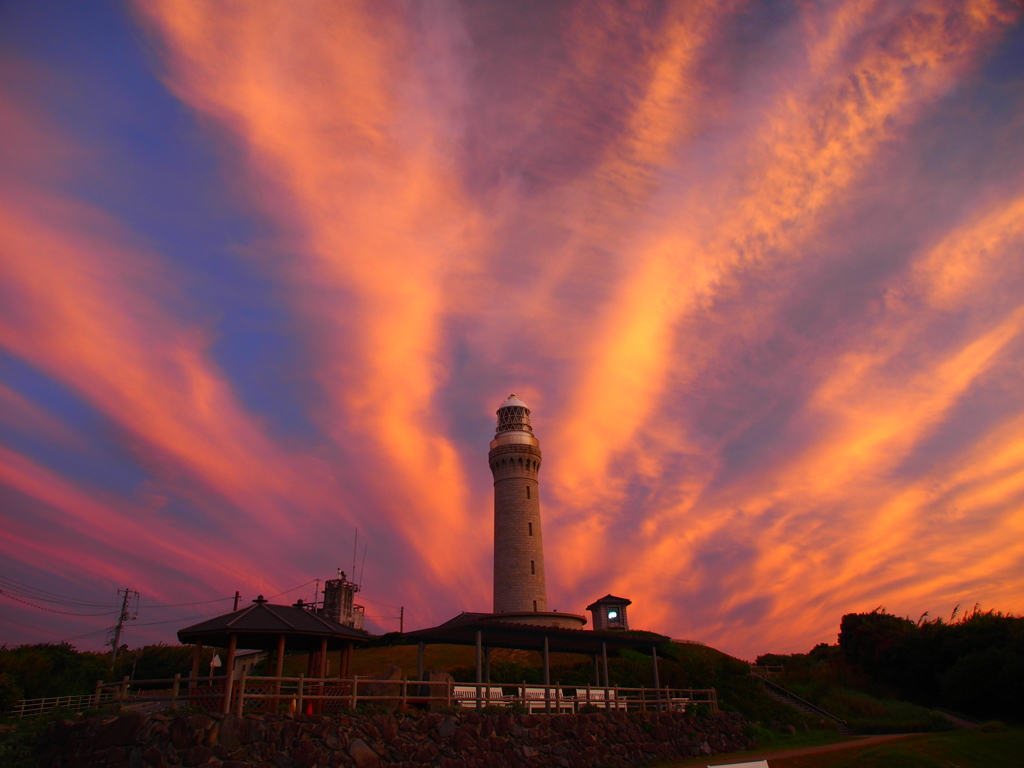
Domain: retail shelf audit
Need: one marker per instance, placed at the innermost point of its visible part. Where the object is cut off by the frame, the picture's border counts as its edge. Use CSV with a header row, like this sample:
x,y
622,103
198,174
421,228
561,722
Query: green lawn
x,y
954,749
975,748
779,741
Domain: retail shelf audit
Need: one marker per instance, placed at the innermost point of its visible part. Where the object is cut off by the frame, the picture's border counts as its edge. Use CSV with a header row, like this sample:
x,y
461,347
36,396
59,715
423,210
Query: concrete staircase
x,y
780,694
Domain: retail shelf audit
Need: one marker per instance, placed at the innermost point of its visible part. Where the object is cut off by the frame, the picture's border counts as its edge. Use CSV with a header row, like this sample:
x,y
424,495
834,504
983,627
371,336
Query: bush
x,y
10,693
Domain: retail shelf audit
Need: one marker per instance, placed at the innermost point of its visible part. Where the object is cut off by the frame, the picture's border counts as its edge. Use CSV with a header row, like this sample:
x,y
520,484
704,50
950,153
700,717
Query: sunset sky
x,y
268,269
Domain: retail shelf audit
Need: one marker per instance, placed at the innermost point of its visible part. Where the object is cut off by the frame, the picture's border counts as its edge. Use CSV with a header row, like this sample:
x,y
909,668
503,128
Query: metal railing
x,y
33,707
330,694
814,707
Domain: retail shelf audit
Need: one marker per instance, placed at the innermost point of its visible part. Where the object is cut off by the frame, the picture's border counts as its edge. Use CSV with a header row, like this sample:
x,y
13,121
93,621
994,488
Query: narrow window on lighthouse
x,y
527,491
530,525
533,567
534,606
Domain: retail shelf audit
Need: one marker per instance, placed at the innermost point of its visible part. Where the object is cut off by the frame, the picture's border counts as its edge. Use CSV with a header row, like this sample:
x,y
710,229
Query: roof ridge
x,y
241,613
282,618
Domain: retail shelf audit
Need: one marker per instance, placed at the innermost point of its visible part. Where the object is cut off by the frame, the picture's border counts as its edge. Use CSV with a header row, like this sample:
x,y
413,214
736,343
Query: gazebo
x,y
275,629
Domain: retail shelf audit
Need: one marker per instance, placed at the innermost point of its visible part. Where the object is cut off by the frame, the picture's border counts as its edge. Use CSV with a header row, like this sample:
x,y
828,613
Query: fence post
x,y
99,689
302,680
617,706
643,699
241,692
448,698
405,693
123,693
174,691
355,695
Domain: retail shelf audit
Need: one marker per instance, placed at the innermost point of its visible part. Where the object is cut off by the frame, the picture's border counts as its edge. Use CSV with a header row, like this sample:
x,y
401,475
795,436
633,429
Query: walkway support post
x,y
604,660
597,673
657,683
479,665
547,679
420,654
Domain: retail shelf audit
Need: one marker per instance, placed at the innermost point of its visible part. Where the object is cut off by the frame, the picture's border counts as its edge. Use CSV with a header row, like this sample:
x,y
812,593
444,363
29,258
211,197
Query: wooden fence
x,y
328,695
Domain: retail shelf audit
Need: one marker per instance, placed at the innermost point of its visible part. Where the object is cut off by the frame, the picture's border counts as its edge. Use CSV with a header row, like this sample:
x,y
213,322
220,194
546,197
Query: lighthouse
x,y
515,460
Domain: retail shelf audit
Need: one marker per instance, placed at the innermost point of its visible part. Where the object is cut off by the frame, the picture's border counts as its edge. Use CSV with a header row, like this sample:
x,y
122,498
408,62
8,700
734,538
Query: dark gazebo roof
x,y
505,634
609,599
261,624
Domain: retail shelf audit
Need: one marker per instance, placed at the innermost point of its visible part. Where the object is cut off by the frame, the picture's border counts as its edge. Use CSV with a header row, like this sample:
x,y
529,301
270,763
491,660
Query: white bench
x,y
597,698
466,694
535,701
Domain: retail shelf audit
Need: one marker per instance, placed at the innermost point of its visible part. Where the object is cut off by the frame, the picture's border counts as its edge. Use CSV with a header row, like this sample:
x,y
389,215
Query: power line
x,y
35,593
377,602
292,589
180,605
52,610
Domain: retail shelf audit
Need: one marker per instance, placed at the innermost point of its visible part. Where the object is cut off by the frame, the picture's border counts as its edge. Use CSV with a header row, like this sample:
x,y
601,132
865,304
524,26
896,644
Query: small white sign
x,y
216,661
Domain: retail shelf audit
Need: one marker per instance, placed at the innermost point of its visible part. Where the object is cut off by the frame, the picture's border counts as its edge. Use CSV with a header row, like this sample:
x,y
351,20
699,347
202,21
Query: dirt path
x,y
862,741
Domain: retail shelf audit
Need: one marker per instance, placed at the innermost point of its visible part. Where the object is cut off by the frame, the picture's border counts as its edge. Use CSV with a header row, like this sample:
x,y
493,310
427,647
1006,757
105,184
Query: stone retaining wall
x,y
470,740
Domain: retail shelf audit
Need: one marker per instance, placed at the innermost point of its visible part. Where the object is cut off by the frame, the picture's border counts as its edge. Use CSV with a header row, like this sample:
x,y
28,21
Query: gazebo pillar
x,y
547,679
229,671
487,667
321,672
197,657
278,671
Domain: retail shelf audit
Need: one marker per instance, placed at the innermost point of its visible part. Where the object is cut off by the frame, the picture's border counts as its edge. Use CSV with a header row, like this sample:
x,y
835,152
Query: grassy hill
x,y
680,666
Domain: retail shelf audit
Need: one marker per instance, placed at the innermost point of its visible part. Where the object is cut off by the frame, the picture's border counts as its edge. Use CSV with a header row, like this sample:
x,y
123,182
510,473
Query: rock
x,y
233,732
154,757
331,739
282,760
121,731
197,755
446,728
789,728
181,733
363,756
462,739
393,690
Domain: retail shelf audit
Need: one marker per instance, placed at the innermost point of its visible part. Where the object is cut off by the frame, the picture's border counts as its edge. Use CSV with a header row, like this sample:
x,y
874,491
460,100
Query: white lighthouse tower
x,y
520,589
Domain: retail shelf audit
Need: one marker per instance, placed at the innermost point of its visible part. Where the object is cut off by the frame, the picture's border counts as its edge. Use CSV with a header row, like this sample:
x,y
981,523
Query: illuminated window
x,y
533,567
613,614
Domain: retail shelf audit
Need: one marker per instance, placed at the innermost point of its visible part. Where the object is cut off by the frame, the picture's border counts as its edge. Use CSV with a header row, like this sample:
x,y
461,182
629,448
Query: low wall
x,y
469,740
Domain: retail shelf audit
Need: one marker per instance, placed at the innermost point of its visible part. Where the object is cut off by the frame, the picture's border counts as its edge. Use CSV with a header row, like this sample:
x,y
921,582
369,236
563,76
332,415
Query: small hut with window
x,y
609,612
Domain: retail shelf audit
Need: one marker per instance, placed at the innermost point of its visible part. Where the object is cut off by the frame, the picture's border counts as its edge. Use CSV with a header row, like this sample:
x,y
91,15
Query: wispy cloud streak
x,y
773,357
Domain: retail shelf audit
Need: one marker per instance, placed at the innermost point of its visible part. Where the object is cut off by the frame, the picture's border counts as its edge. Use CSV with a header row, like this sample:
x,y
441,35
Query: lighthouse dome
x,y
512,400
513,416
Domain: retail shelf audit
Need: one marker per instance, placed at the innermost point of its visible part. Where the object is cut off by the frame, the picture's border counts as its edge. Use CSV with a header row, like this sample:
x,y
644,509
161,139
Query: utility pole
x,y
401,620
238,597
121,619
